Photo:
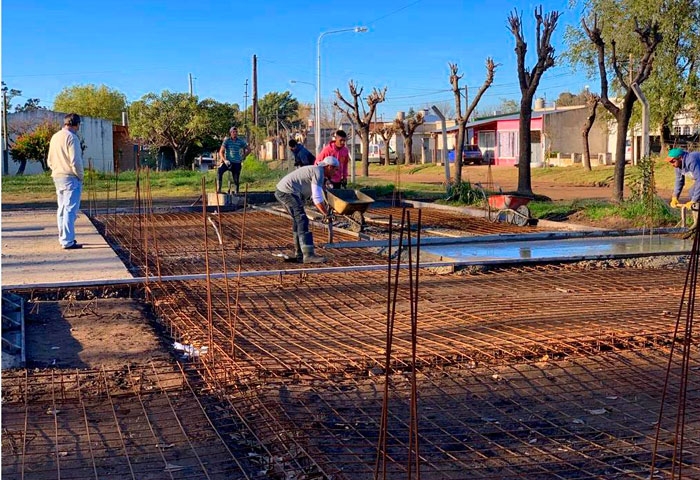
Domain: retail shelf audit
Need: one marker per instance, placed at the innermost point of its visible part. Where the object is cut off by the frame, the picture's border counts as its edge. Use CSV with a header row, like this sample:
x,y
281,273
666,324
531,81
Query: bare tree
x,y
361,115
385,132
462,119
406,128
592,101
529,81
649,37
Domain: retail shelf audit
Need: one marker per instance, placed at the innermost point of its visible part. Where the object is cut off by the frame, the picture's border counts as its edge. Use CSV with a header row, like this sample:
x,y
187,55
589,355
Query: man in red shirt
x,y
336,148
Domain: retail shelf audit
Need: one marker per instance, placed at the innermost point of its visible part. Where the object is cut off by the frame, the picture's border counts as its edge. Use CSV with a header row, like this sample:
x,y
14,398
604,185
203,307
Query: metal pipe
x,y
444,143
646,147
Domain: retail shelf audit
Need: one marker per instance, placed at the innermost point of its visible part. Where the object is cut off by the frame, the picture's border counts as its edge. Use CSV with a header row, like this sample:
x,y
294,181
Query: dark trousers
x,y
235,170
295,207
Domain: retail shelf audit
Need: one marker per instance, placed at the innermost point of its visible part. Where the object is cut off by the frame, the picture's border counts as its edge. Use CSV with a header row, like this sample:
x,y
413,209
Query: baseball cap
x,y
329,162
675,152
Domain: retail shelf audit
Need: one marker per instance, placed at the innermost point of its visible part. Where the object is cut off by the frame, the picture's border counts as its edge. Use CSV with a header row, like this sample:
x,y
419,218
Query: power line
x,y
394,12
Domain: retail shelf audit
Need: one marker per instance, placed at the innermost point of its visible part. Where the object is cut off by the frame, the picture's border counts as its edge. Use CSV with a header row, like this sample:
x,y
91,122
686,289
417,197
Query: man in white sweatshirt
x,y
66,163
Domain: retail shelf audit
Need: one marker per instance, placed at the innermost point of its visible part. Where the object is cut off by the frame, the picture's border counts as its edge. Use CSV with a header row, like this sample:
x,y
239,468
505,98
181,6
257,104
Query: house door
x,y
425,155
536,147
487,143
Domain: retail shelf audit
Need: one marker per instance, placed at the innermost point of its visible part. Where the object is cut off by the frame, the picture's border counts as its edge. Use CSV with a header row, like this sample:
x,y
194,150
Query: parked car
x,y
376,154
204,162
470,154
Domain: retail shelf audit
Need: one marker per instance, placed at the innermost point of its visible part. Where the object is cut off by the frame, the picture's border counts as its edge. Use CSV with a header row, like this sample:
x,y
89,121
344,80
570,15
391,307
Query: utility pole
x,y
245,108
5,143
190,82
255,90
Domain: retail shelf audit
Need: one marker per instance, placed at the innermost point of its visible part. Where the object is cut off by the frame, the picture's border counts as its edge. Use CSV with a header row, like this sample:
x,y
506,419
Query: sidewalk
x,y
32,255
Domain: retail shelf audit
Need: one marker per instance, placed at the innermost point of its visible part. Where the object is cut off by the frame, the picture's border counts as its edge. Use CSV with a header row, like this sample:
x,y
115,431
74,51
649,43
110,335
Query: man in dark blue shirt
x,y
302,157
686,164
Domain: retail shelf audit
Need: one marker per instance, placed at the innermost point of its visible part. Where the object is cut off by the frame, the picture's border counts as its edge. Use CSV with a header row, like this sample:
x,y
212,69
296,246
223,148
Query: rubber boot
x,y
692,231
298,255
307,249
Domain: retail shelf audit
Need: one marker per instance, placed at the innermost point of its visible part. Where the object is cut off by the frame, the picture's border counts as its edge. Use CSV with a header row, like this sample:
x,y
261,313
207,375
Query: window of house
x,y
507,144
686,130
676,130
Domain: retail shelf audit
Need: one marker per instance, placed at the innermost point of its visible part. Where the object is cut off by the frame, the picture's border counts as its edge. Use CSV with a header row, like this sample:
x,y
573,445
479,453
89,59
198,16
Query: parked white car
x,y
376,154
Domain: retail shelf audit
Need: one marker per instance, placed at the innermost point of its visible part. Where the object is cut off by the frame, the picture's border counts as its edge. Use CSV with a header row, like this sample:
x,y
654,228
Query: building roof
x,y
510,116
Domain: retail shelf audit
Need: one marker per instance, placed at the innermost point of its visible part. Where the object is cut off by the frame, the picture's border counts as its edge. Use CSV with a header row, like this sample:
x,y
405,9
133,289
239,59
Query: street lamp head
x,y
360,29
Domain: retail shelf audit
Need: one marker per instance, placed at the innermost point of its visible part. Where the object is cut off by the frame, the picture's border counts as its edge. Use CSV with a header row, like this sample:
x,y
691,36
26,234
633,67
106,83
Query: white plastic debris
x,y
598,411
190,351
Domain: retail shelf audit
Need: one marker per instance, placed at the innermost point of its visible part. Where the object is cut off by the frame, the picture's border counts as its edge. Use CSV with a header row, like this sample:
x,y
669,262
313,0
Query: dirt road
x,y
506,177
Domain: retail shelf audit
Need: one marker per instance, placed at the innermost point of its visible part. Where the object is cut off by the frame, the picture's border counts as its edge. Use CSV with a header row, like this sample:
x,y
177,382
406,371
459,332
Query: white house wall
x,y
95,132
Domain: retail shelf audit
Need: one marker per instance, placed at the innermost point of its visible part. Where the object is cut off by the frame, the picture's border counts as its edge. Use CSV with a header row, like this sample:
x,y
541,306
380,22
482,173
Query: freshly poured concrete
x,y
571,248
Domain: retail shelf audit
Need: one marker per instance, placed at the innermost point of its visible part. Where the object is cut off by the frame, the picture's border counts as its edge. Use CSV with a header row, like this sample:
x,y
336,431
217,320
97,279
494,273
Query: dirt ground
x,y
91,334
507,179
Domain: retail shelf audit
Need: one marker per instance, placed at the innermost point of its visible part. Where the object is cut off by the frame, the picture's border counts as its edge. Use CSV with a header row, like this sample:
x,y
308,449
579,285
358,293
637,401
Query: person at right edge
x,y
293,191
337,148
686,164
65,159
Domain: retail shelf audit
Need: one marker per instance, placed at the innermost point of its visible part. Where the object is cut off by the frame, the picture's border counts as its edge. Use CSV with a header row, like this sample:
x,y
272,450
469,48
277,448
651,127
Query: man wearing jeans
x,y
232,152
293,191
65,160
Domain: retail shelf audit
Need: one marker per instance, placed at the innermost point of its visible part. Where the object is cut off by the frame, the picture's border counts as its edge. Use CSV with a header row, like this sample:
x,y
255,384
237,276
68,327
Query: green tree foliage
x,y
673,84
31,105
217,119
568,99
171,120
277,106
33,145
91,101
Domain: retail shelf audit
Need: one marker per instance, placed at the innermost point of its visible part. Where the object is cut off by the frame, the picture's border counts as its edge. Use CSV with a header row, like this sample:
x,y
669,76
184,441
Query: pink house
x,y
498,137
553,130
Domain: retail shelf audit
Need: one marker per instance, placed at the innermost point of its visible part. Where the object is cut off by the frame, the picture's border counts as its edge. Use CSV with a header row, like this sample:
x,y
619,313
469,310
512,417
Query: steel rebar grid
x,y
443,223
180,243
581,418
683,341
130,423
329,323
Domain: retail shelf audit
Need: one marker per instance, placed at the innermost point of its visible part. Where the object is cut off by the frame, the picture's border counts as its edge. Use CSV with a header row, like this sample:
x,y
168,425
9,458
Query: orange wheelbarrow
x,y
509,209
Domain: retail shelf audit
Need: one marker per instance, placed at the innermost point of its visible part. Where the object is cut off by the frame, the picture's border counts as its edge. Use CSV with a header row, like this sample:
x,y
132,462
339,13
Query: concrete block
x,y
223,200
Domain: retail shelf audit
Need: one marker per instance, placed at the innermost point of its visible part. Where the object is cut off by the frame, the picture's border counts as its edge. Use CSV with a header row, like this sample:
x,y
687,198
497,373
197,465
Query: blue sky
x,y
139,47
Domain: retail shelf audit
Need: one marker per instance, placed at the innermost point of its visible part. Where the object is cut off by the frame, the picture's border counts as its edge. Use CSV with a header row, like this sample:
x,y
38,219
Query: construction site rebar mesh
x,y
547,372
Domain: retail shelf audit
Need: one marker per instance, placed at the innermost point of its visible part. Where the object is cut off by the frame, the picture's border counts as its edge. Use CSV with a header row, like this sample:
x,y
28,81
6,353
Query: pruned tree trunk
x,y
407,128
463,119
529,80
592,101
649,38
361,116
385,132
22,167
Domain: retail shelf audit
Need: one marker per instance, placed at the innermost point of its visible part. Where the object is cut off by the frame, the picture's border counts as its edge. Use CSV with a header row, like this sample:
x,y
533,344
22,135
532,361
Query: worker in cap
x,y
293,191
686,164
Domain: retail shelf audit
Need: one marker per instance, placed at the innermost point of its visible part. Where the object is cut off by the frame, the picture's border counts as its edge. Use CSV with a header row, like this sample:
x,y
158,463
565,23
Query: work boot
x,y
692,231
307,249
298,255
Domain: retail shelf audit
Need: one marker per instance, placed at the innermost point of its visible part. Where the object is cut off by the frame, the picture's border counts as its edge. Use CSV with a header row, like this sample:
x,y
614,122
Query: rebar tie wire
x,y
687,298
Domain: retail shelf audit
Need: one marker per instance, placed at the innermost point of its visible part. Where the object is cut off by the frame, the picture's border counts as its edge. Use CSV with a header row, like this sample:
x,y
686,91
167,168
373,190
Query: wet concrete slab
x,y
32,255
562,248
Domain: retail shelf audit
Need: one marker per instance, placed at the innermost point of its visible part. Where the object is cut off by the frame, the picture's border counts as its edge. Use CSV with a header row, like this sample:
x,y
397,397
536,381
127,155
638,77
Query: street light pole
x,y
317,121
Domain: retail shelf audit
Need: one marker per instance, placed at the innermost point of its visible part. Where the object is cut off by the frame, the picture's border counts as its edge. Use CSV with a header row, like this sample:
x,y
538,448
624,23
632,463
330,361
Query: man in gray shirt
x,y
293,191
